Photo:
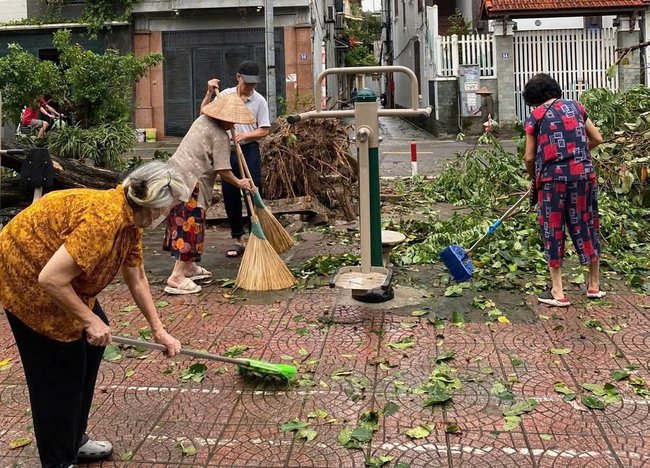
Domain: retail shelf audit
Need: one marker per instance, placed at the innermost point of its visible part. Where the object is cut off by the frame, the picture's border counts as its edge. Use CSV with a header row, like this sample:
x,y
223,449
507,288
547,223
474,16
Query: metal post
x,y
414,159
269,43
367,122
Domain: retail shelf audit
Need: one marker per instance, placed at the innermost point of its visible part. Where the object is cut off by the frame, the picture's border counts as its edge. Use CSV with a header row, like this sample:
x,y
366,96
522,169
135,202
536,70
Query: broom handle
x,y
498,222
242,160
240,157
186,352
240,154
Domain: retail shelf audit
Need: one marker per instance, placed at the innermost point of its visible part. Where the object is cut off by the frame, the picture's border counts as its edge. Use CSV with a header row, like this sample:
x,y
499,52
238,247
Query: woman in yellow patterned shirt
x,y
55,257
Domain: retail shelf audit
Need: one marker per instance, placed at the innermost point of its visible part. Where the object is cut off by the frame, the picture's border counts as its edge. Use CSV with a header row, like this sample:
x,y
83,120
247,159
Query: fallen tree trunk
x,y
71,173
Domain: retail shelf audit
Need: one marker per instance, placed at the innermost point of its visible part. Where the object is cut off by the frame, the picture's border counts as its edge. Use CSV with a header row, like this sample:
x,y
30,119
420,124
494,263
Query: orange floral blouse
x,y
97,228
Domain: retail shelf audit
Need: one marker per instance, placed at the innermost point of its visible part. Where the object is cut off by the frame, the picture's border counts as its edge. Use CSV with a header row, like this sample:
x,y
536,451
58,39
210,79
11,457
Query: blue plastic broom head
x,y
457,262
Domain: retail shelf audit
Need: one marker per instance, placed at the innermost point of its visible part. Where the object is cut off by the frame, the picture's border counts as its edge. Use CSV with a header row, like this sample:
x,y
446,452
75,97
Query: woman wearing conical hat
x,y
203,153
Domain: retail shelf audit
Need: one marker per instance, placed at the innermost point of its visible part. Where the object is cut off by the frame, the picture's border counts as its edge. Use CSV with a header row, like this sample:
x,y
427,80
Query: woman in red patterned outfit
x,y
559,137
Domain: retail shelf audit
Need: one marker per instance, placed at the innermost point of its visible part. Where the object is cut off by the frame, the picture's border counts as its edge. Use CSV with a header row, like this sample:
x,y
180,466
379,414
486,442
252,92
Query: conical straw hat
x,y
230,108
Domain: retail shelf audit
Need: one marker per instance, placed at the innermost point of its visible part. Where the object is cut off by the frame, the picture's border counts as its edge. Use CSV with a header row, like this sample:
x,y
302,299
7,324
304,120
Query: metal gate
x,y
577,58
194,57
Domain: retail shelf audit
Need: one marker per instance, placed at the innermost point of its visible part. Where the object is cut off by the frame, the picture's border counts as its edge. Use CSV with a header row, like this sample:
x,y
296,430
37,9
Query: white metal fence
x,y
578,59
453,51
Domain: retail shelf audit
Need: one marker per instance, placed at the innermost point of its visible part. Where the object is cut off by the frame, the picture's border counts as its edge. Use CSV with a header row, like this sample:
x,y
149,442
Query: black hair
x,y
540,88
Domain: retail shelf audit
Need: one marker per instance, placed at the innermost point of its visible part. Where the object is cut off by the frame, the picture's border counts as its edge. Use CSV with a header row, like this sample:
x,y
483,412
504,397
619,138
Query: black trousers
x,y
232,198
61,379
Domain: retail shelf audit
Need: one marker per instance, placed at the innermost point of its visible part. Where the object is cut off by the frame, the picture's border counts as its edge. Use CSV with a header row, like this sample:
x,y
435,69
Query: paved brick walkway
x,y
235,423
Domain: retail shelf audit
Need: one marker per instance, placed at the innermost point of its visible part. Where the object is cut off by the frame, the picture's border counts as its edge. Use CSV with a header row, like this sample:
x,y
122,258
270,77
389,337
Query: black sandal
x,y
547,298
235,248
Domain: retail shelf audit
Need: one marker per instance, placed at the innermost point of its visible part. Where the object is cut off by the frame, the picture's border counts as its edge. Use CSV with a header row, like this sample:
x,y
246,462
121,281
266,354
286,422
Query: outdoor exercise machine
x,y
369,282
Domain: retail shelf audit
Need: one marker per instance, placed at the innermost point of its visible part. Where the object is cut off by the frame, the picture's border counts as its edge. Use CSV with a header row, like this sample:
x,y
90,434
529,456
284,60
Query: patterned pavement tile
x,y
324,450
633,451
201,406
557,417
563,451
163,443
472,410
431,451
338,405
267,407
250,446
483,449
126,435
234,421
411,413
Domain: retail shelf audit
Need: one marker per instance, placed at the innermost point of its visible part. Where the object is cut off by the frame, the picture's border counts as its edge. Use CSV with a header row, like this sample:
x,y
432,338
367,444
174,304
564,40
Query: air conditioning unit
x,y
331,15
340,21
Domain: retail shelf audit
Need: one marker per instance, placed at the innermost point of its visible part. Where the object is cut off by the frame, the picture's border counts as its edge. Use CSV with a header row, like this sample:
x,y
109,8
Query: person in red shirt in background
x,y
31,113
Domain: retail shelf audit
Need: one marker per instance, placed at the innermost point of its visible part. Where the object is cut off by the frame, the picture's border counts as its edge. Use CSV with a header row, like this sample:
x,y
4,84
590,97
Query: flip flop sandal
x,y
187,286
94,450
235,248
547,298
595,294
201,274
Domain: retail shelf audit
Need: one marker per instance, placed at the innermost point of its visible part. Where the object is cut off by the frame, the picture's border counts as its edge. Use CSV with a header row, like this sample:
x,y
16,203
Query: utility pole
x,y
269,44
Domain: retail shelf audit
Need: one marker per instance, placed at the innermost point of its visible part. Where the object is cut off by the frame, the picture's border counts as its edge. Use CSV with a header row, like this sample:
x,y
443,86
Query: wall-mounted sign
x,y
304,56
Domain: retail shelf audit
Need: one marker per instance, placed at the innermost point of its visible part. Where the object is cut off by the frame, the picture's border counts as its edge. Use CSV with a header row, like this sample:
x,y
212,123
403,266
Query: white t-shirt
x,y
258,107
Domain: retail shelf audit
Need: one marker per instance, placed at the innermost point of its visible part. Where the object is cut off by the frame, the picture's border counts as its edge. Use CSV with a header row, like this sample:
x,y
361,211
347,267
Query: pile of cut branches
x,y
311,158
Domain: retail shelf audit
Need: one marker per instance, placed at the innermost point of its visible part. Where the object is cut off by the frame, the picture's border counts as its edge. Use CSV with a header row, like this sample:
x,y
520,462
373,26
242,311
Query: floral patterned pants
x,y
185,230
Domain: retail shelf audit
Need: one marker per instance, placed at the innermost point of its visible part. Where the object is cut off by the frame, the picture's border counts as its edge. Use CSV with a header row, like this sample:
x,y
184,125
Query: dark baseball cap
x,y
249,71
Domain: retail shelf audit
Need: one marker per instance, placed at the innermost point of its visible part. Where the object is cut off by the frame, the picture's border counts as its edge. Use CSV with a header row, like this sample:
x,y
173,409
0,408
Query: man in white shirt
x,y
248,137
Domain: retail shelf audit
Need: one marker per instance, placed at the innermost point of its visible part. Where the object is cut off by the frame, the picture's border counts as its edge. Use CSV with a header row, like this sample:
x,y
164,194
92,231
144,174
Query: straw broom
x,y
277,236
275,233
261,268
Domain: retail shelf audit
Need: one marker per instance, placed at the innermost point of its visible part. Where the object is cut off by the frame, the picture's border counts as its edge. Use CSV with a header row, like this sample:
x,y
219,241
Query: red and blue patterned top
x,y
562,144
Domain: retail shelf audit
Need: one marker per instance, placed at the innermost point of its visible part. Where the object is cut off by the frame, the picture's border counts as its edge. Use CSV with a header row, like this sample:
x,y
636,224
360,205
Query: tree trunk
x,y
70,173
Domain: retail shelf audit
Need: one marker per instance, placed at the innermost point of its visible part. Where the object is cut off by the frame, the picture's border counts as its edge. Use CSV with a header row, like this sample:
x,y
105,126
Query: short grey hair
x,y
154,185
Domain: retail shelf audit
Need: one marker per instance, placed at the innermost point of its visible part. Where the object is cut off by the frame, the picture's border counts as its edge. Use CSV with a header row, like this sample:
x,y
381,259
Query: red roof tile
x,y
546,7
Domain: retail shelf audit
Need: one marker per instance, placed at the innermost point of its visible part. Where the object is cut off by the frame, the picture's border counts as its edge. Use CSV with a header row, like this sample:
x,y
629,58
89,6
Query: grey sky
x,y
371,5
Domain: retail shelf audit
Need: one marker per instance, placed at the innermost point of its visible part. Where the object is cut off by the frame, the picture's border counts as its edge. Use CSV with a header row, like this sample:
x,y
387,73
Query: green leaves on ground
x,y
112,353
370,419
521,407
445,356
619,374
390,408
236,350
512,414
454,290
609,391
502,390
403,343
195,372
6,364
378,462
187,447
440,385
351,438
569,394
591,401
560,351
419,432
301,429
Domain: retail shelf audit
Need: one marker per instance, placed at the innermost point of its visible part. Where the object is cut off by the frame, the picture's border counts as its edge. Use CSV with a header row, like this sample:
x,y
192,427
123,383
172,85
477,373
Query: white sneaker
x,y
93,450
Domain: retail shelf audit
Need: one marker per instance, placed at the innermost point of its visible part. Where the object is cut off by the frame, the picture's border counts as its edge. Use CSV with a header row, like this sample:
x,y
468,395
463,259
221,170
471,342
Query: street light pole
x,y
269,44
